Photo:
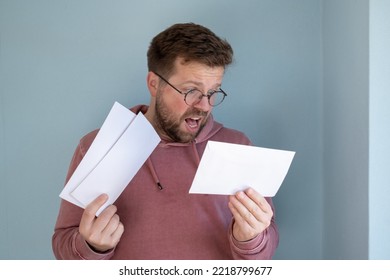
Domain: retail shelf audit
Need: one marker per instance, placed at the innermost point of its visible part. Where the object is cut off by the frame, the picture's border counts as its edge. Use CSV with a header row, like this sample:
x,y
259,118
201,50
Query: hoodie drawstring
x,y
195,153
154,174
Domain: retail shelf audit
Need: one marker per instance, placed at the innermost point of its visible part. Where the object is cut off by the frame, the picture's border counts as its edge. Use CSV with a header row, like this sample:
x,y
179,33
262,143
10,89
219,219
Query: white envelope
x,y
226,168
122,145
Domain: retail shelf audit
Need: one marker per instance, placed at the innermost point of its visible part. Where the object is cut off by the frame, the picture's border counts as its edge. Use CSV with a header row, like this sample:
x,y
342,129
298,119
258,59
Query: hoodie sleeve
x,y
262,247
67,243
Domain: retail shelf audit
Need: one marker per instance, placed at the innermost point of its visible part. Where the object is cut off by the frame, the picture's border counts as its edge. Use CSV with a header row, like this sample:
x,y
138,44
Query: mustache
x,y
193,112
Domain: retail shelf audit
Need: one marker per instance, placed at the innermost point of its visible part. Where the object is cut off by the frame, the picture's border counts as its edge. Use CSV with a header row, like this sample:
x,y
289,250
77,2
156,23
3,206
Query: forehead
x,y
196,70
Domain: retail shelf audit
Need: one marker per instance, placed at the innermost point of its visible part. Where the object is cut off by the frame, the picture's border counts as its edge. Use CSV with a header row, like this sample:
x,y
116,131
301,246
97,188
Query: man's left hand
x,y
252,214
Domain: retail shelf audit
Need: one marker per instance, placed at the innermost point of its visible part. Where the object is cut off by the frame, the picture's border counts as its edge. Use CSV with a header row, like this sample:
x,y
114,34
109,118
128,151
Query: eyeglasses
x,y
194,96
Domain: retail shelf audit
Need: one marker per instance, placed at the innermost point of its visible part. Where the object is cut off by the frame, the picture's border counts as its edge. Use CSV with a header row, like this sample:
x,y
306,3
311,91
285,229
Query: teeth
x,y
193,122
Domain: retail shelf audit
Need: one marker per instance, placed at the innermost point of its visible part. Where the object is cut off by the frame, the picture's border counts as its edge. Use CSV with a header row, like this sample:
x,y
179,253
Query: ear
x,y
152,83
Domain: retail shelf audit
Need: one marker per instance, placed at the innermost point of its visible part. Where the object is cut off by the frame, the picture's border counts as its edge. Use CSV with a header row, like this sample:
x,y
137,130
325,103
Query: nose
x,y
203,103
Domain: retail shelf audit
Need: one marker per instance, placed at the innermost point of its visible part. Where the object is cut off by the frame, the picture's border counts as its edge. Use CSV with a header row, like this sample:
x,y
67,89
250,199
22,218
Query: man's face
x,y
173,117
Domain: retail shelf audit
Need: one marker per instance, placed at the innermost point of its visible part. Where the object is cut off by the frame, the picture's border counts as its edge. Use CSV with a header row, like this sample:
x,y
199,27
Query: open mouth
x,y
193,123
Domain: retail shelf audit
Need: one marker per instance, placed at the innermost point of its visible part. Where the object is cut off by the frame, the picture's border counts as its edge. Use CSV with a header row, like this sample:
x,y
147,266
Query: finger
x,y
252,209
105,218
242,229
264,212
259,200
236,214
111,225
247,207
240,205
90,211
112,233
117,234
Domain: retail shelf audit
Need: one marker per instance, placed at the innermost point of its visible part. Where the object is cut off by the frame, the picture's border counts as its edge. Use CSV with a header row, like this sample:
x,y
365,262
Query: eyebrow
x,y
197,84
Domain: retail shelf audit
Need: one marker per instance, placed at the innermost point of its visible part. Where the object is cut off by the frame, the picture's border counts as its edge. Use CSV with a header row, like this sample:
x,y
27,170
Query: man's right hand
x,y
104,232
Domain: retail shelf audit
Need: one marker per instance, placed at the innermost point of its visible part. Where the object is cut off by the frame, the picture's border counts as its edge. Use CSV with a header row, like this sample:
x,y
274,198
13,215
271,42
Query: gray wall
x,y
346,82
64,63
356,129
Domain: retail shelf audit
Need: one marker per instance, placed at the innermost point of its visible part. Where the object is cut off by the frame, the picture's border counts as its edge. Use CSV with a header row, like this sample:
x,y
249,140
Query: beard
x,y
170,124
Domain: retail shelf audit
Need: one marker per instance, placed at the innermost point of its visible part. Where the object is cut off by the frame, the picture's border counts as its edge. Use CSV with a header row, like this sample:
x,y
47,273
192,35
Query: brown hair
x,y
189,41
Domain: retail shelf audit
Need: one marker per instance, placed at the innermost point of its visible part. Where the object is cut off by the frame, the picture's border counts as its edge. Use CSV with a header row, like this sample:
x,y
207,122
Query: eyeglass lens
x,y
195,96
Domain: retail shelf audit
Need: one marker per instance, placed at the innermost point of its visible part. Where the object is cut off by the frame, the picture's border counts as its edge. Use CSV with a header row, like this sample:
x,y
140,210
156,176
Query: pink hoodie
x,y
161,219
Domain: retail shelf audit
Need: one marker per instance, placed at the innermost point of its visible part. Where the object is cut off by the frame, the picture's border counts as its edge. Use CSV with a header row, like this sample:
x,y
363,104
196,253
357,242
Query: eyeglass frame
x,y
208,95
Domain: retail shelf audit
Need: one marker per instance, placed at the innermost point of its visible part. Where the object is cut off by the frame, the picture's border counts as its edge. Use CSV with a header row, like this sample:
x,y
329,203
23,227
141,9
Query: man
x,y
155,217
